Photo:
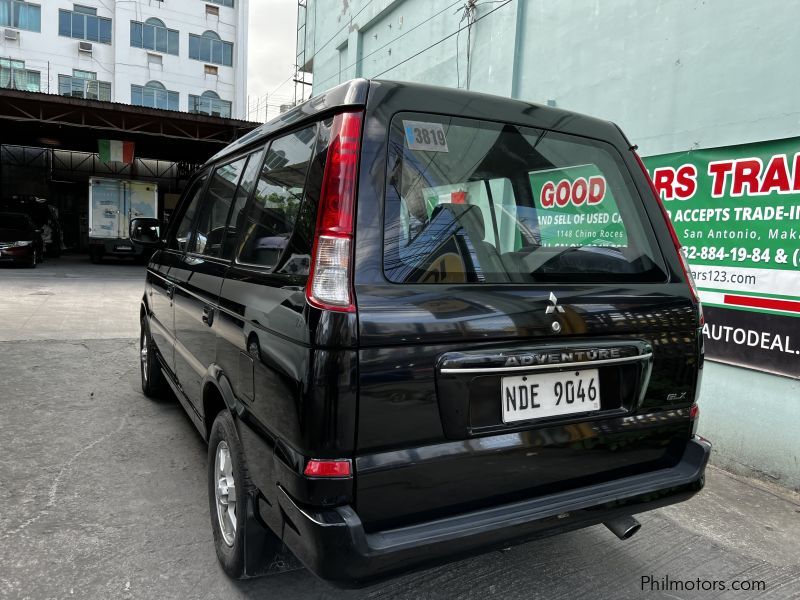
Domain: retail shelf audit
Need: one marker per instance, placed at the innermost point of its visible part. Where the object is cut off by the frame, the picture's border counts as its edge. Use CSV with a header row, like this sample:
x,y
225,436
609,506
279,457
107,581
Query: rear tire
x,y
152,377
228,488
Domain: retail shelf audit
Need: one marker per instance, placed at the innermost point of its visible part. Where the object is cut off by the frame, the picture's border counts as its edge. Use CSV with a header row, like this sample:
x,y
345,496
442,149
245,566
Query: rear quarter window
x,y
471,201
268,223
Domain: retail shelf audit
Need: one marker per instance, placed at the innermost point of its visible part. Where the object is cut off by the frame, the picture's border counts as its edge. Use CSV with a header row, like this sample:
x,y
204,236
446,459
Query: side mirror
x,y
145,232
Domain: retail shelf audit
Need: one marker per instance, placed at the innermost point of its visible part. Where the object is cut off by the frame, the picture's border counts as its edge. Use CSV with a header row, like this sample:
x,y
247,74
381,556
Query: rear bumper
x,y
116,247
333,544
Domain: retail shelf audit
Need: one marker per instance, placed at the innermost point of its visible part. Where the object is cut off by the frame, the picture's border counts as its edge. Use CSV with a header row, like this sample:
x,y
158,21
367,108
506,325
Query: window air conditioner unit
x,y
85,47
11,34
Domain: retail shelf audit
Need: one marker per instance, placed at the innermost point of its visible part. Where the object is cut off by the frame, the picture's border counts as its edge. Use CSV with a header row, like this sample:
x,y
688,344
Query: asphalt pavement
x,y
103,493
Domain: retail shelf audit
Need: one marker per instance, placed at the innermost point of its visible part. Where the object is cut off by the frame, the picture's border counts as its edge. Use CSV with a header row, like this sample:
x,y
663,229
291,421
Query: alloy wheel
x,y
143,354
225,492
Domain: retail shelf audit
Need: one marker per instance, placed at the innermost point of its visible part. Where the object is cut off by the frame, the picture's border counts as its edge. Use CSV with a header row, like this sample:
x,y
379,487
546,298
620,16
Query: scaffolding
x,y
304,64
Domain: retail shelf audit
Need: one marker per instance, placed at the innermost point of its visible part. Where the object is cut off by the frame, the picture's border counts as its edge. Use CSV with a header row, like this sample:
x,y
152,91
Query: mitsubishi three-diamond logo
x,y
556,307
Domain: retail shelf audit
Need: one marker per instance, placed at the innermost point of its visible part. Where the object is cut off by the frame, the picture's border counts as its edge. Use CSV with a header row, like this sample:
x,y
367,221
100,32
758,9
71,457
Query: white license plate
x,y
123,248
549,394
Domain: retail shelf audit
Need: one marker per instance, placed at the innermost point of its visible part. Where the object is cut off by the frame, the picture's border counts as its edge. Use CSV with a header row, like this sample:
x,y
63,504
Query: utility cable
x,y
447,37
392,41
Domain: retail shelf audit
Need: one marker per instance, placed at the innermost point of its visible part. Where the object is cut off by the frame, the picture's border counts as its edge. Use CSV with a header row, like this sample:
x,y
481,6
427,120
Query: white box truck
x,y
112,205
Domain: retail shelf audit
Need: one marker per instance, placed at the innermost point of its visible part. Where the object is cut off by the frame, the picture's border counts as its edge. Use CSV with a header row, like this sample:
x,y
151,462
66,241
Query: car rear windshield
x,y
471,201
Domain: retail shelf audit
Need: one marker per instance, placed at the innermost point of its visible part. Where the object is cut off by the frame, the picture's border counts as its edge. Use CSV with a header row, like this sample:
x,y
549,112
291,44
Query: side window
x,y
183,231
212,220
243,192
270,217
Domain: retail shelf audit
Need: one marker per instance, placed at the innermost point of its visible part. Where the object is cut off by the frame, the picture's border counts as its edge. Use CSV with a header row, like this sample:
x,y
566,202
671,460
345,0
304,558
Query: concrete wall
x,y
123,65
753,420
674,74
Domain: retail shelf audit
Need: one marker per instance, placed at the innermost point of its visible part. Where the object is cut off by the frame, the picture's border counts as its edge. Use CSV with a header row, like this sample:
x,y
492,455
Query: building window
x,y
82,23
154,35
20,15
14,76
154,95
84,84
222,2
209,103
211,49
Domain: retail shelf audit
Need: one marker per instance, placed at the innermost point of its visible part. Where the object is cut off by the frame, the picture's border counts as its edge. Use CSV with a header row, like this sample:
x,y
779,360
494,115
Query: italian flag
x,y
116,151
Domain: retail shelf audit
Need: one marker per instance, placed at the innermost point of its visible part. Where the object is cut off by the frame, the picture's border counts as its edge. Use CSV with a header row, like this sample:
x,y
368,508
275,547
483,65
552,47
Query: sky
x,y
271,55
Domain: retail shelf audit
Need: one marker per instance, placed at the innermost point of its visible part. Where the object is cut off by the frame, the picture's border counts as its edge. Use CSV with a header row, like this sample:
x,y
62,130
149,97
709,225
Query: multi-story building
x,y
187,55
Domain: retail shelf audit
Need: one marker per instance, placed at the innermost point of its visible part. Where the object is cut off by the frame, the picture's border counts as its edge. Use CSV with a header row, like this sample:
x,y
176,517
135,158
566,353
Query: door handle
x,y
208,315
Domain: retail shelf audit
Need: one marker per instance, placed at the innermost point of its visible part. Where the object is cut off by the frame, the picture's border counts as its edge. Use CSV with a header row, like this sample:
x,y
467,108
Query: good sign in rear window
x,y
483,202
576,208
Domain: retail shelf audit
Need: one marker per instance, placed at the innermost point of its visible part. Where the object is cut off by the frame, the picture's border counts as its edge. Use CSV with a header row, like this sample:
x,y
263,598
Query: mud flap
x,y
264,552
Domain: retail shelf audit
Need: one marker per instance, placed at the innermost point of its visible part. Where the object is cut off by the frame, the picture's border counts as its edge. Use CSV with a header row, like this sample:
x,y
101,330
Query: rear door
x,y
263,343
160,286
198,277
524,334
106,209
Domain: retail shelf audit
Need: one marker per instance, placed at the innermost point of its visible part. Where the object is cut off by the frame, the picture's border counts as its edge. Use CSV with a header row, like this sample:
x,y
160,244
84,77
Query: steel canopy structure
x,y
49,150
48,121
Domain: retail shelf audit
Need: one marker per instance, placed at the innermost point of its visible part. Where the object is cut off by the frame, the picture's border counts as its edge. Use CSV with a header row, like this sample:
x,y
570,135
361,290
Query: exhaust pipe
x,y
623,527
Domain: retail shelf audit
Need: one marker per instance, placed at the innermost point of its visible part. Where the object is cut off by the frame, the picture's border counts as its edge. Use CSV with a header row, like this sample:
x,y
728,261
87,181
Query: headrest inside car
x,y
468,216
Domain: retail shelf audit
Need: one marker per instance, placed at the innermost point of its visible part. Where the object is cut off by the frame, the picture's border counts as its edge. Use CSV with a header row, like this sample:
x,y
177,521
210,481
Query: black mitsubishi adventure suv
x,y
416,323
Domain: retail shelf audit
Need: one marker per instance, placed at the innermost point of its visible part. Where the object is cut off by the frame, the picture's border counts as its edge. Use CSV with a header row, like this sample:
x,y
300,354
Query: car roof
x,y
418,97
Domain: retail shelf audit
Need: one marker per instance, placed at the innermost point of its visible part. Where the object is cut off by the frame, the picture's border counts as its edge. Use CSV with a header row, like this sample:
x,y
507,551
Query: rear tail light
x,y
687,272
694,417
331,283
327,468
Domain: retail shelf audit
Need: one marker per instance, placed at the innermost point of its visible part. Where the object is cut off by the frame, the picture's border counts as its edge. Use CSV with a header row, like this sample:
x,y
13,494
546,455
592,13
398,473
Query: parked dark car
x,y
20,241
432,323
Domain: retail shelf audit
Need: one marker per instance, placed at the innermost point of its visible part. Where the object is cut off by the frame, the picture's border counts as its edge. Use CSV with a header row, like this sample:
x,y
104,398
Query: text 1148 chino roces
x,y
415,323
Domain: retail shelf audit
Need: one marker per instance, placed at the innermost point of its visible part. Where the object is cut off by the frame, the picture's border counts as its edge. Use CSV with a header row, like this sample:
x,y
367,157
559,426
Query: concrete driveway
x,y
70,298
103,494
